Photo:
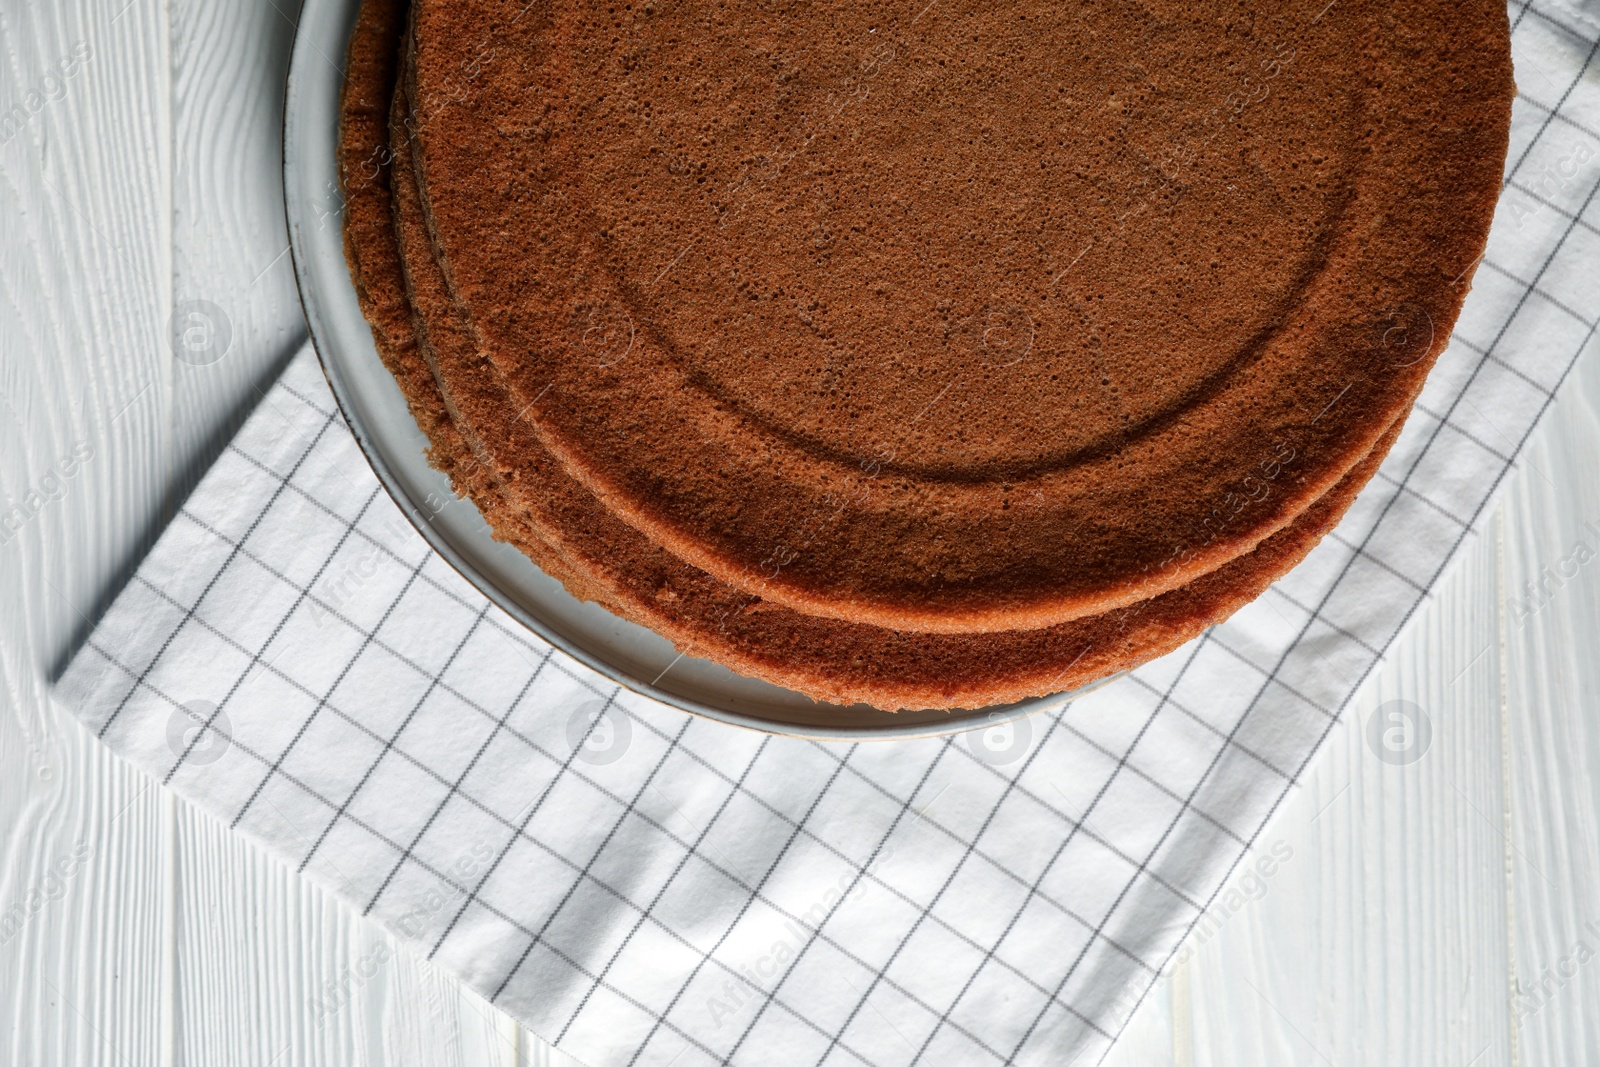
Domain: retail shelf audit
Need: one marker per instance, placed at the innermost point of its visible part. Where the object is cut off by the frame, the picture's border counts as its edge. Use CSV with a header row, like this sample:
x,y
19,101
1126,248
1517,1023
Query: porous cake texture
x,y
885,356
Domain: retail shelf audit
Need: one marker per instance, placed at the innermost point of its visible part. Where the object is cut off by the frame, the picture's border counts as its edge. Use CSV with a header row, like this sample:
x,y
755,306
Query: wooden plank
x,y
84,191
234,299
1552,697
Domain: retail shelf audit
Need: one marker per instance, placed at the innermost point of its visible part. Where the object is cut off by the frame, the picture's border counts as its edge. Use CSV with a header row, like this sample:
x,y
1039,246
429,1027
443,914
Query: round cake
x,y
962,317
566,529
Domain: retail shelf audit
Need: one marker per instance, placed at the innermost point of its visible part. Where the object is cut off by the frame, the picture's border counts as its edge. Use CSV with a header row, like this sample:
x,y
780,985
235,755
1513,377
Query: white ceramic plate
x,y
373,405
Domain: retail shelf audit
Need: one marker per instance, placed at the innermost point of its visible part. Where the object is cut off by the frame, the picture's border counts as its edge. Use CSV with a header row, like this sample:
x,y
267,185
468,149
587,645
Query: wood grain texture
x,y
1443,912
1430,913
1551,530
85,191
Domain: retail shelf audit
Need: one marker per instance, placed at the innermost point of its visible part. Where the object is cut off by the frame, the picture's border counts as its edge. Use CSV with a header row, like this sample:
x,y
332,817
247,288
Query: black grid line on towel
x,y
237,552
521,831
455,786
527,817
388,742
375,833
255,655
311,445
549,920
434,680
534,938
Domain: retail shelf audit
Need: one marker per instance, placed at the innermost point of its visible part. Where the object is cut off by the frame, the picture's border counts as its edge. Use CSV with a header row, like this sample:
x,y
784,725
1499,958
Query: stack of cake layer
x,y
928,357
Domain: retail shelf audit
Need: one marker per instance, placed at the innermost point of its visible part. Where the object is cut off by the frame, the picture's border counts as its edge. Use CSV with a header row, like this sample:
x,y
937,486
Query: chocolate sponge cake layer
x,y
553,519
365,166
963,317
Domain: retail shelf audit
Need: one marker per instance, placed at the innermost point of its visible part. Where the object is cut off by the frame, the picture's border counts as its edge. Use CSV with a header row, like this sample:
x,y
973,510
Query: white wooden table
x,y
1442,912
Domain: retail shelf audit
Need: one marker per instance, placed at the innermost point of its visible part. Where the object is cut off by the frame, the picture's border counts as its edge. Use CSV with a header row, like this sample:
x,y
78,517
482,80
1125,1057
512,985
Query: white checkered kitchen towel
x,y
696,893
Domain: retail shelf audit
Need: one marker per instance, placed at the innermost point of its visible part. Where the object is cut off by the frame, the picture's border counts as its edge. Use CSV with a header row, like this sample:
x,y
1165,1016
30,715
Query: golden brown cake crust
x,y
364,166
974,317
563,528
